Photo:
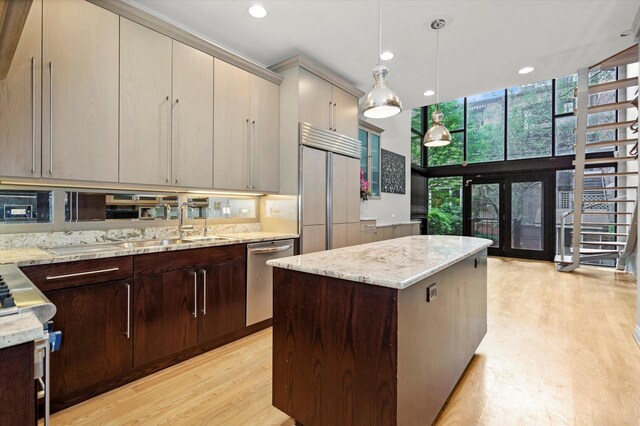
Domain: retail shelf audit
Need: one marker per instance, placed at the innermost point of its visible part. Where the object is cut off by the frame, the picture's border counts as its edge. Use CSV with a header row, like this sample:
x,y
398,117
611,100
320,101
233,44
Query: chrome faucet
x,y
167,210
181,227
207,211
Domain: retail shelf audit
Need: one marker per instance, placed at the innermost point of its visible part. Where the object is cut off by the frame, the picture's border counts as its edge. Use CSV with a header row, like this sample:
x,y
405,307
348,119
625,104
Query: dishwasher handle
x,y
270,249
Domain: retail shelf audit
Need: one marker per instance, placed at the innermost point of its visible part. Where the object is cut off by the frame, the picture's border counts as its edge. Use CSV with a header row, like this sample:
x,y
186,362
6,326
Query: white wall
x,y
396,138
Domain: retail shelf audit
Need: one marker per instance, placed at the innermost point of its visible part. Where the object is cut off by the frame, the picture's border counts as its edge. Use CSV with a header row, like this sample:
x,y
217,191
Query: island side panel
x,y
437,339
334,350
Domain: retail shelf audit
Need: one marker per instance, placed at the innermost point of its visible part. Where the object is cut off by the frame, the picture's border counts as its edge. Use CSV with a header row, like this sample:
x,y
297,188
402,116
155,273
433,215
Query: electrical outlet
x,y
432,292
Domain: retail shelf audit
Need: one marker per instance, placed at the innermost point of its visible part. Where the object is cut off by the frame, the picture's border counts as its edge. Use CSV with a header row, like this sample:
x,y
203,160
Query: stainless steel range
x,y
18,295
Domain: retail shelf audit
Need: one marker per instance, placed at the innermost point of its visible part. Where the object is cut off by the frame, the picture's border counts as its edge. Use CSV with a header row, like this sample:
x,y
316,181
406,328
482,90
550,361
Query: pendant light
x,y
437,135
381,101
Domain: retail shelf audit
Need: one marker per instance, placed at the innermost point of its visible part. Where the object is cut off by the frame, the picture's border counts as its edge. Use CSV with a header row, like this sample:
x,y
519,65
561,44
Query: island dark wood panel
x,y
335,350
347,353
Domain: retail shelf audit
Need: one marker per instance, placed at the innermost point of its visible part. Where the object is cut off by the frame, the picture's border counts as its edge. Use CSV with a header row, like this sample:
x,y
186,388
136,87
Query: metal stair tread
x,y
604,243
594,109
613,234
613,85
609,126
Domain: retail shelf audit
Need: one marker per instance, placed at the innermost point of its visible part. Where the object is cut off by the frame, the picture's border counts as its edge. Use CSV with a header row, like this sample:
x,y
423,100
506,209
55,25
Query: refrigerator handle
x,y
329,227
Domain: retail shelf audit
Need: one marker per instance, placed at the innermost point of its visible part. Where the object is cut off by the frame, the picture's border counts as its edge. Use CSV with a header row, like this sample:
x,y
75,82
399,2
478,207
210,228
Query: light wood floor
x,y
559,350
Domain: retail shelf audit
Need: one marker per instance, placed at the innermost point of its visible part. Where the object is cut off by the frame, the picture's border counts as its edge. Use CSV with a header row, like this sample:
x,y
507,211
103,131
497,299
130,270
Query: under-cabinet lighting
x,y
128,188
429,93
239,194
525,70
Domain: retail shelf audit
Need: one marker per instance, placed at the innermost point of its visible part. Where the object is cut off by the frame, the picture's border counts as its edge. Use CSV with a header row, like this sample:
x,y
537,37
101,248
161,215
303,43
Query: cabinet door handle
x,y
80,274
334,116
33,114
128,333
246,158
50,117
330,115
177,120
204,292
168,179
195,294
253,157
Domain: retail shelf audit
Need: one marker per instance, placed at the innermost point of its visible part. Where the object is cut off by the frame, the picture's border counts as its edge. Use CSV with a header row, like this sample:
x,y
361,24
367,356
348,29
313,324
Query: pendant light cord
x,y
437,69
379,31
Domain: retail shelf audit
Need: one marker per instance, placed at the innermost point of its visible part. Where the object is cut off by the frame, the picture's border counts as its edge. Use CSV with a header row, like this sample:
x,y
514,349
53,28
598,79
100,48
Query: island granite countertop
x,y
396,263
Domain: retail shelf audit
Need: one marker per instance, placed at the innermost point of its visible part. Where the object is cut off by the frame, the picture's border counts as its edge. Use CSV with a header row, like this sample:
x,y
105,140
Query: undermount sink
x,y
204,239
151,243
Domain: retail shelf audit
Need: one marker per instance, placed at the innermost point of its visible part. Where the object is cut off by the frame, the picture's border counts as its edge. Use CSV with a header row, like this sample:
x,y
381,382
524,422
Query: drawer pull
x,y
80,274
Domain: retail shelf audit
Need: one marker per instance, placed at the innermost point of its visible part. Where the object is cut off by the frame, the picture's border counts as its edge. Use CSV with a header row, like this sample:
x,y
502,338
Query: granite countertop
x,y
39,256
396,263
19,328
406,222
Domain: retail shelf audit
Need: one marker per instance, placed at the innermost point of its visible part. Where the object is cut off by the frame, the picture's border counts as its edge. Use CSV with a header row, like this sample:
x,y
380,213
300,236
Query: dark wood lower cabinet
x,y
164,307
123,318
96,344
17,407
223,301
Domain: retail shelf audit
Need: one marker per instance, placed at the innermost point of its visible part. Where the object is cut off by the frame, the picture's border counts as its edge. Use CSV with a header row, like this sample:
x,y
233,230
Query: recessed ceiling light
x,y
386,56
525,70
257,11
429,93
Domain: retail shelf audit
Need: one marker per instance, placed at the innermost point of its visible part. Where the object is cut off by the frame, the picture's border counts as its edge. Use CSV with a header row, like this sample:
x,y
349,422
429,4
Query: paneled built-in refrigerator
x,y
329,190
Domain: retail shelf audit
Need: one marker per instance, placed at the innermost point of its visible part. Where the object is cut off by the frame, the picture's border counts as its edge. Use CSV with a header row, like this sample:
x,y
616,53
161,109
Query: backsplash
x,y
54,239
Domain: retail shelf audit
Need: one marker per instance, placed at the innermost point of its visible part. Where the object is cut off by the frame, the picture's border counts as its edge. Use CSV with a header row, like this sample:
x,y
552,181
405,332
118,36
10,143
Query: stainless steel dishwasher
x,y
260,277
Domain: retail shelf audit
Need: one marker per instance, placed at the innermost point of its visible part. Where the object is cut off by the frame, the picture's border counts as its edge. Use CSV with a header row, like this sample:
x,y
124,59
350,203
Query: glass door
x,y
484,212
527,218
510,211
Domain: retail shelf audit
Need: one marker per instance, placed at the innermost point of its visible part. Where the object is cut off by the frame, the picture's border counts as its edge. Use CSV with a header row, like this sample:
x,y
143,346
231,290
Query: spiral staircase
x,y
601,225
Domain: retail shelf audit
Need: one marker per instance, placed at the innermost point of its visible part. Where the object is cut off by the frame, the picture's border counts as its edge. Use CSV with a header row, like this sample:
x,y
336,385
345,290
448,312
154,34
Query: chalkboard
x,y
393,172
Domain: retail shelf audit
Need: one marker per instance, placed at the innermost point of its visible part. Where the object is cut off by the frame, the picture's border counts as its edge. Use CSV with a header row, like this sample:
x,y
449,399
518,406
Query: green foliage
x,y
444,200
439,222
416,149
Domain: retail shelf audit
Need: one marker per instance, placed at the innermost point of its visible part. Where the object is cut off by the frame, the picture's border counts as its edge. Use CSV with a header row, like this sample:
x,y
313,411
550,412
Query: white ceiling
x,y
481,49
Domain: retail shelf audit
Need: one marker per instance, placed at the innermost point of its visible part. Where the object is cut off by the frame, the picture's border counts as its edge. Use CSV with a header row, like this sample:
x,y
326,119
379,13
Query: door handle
x,y
177,121
168,179
330,115
204,291
195,294
128,333
50,117
246,186
253,157
33,114
334,116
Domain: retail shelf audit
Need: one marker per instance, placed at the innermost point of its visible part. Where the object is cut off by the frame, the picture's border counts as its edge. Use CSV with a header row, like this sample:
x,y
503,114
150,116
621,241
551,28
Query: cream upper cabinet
x,y
192,140
265,133
231,115
20,103
327,106
80,91
345,112
246,135
316,105
145,105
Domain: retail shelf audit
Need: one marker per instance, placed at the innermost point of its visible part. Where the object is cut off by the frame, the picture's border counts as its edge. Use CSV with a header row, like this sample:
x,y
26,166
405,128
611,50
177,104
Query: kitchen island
x,y
379,333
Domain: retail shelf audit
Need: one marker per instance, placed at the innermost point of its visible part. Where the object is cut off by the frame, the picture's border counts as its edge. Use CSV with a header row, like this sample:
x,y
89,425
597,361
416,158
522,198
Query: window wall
x,y
523,122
